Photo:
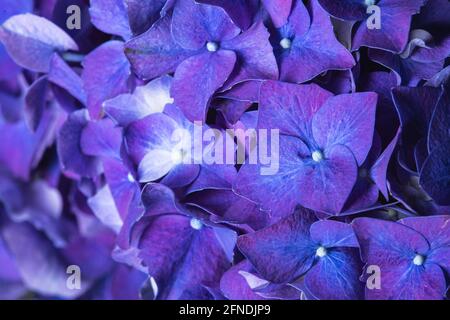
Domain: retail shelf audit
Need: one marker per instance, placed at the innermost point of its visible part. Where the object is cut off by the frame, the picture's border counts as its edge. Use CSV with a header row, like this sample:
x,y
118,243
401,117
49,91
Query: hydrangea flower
x,y
202,45
99,170
324,252
412,255
395,19
323,141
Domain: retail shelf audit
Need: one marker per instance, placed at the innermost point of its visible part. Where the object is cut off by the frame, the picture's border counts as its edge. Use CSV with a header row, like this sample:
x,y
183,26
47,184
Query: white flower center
x,y
418,260
285,43
212,46
130,177
321,252
369,2
317,156
196,224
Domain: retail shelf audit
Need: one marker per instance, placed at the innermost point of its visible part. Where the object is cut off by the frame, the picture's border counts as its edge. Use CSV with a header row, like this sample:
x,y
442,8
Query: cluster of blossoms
x,y
99,101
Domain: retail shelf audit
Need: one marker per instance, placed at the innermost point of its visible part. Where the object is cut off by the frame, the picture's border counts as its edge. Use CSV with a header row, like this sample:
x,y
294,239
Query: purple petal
x,y
395,19
283,251
346,9
290,107
73,161
305,59
145,100
255,58
333,234
336,276
326,185
278,10
379,169
103,206
439,130
122,184
436,230
193,25
41,267
143,13
234,285
240,11
31,41
197,78
188,259
409,70
107,59
435,174
383,242
349,120
101,138
110,16
63,76
280,192
393,247
36,102
155,53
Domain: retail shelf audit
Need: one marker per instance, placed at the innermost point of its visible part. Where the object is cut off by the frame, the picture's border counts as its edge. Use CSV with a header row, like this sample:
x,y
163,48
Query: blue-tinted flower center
x,y
285,43
363,173
317,156
212,46
196,224
369,2
418,260
321,252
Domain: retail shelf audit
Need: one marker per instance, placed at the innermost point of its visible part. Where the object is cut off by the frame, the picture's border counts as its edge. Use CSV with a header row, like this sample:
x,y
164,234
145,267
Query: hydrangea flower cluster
x,y
120,176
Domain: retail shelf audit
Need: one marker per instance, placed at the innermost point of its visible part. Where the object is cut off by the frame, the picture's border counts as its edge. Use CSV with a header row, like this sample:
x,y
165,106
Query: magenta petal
x,y
107,59
154,52
349,120
31,41
193,24
197,78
